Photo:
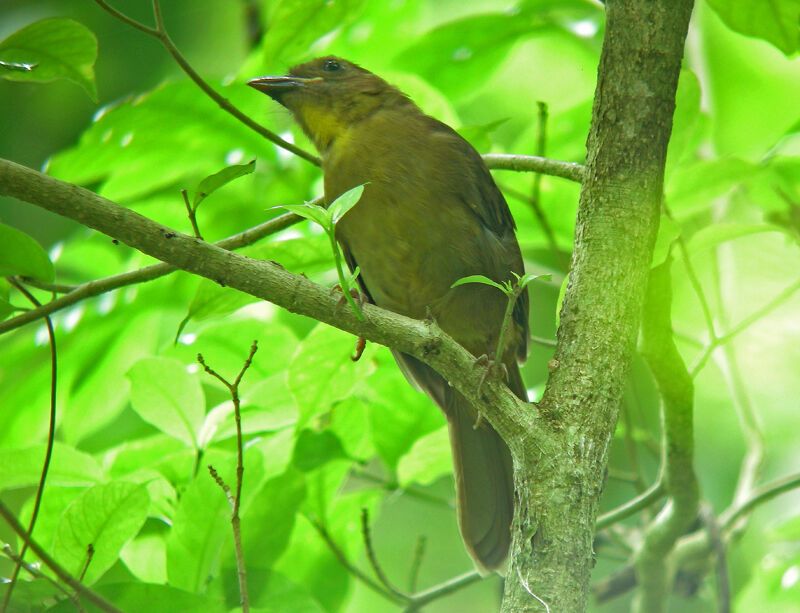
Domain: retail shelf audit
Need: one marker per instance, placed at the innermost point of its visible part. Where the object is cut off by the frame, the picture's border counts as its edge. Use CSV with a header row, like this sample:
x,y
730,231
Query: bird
x,y
430,214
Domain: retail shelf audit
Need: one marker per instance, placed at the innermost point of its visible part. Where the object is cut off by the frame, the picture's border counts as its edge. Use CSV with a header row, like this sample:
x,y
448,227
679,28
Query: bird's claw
x,y
359,297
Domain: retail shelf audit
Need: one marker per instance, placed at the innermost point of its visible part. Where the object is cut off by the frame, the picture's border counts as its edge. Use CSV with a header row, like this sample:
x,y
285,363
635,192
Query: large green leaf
x,y
398,414
164,394
129,150
321,371
134,596
68,466
20,254
270,517
105,517
428,459
54,49
775,21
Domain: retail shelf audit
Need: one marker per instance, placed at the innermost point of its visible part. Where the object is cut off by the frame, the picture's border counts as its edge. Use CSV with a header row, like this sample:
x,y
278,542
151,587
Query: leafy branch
x,y
327,220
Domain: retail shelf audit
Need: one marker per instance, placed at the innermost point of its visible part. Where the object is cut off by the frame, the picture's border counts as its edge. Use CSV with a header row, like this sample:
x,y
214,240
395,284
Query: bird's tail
x,y
481,464
484,480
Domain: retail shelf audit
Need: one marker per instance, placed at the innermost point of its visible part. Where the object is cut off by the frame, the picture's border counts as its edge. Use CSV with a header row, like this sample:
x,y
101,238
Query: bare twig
x,y
718,546
373,559
236,500
148,273
192,214
87,561
37,574
763,494
416,563
62,574
160,34
642,501
744,324
532,163
51,436
353,570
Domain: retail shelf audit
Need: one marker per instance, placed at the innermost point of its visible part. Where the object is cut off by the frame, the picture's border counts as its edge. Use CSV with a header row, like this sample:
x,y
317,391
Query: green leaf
x,y
344,203
158,140
429,459
136,596
478,136
59,49
106,517
202,520
293,25
311,212
313,449
164,394
21,255
269,591
68,466
685,120
395,431
480,279
692,188
459,55
270,518
322,373
775,21
213,182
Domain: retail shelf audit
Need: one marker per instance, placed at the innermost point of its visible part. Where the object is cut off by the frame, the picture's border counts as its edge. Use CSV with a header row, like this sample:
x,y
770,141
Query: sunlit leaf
x,y
105,517
54,49
345,202
166,395
775,21
213,182
20,254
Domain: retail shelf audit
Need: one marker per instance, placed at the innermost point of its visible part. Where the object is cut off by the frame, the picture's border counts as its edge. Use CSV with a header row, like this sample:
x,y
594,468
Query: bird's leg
x,y
491,367
359,296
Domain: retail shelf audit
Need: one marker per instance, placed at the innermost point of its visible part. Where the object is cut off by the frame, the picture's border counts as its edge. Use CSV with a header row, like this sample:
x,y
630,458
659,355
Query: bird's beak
x,y
276,87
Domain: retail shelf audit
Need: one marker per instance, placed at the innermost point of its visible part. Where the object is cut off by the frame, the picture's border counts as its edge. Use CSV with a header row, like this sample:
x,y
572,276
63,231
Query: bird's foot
x,y
361,342
359,297
490,367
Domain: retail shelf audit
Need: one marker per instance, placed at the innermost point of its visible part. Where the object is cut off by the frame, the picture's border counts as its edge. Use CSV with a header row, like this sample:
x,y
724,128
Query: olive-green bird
x,y
430,214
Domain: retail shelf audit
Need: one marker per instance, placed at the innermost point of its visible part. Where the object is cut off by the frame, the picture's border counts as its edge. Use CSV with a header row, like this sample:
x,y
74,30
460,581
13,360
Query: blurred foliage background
x,y
327,437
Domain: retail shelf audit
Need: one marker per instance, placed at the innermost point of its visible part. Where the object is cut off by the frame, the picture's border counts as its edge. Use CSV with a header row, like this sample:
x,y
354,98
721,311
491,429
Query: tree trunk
x,y
558,488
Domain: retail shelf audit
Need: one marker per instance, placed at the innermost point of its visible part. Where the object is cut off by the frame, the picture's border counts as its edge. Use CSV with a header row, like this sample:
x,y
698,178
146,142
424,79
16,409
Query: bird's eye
x,y
331,66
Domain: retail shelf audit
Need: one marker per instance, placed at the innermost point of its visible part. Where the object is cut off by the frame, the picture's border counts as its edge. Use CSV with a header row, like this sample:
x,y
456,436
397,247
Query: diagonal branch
x,y
270,281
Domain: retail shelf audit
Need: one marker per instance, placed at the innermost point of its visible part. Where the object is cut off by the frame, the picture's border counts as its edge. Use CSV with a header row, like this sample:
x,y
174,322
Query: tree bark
x,y
617,223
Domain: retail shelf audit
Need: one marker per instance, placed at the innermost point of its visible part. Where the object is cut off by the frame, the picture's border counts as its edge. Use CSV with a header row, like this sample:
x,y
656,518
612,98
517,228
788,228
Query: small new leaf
x,y
213,182
480,279
309,211
345,202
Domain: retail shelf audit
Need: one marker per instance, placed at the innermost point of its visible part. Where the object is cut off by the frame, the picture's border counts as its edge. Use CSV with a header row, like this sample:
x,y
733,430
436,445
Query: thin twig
x,y
192,214
87,561
51,437
416,563
744,324
536,192
342,558
37,574
55,288
443,589
718,545
642,501
533,163
235,500
373,559
148,273
763,494
62,574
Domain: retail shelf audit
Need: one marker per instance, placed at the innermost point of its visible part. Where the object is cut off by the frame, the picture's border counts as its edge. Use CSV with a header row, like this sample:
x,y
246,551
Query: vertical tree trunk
x,y
558,488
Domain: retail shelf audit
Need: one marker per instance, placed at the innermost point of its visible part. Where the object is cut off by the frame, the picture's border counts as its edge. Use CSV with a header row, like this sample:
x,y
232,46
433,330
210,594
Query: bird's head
x,y
328,95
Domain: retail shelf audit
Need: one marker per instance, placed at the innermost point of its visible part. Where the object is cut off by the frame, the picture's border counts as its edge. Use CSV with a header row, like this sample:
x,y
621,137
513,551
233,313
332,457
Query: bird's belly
x,y
410,256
